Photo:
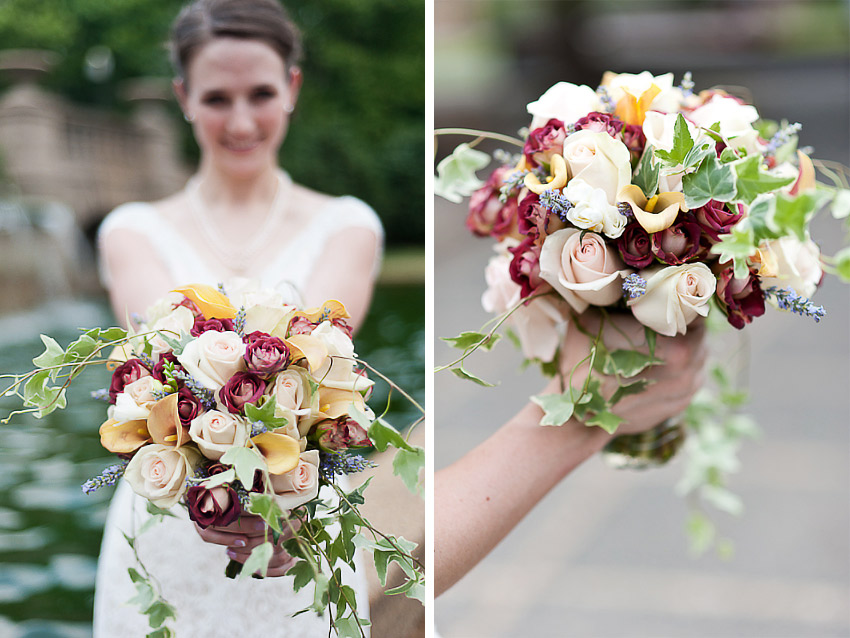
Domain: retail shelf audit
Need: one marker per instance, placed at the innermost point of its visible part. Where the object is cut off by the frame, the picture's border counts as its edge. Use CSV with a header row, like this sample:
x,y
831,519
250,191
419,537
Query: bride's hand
x,y
672,384
243,535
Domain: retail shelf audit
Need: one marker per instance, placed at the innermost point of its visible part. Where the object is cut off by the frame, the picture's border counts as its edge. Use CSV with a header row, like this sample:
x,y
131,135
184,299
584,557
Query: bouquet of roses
x,y
239,403
645,198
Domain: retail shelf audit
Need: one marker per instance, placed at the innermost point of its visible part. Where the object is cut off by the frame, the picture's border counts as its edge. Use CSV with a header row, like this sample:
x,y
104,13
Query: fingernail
x,y
239,543
231,553
260,526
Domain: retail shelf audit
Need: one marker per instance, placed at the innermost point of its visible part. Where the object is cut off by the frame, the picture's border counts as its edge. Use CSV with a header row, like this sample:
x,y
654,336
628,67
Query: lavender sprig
x,y
109,476
239,324
605,97
634,286
202,393
258,428
782,137
788,299
687,84
511,184
100,395
557,202
342,463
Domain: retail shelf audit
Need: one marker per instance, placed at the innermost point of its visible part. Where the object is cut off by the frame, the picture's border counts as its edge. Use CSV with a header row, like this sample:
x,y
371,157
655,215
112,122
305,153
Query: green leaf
x,y
53,354
651,337
265,414
162,632
701,532
158,511
712,180
159,612
737,247
722,499
752,180
469,339
635,387
382,434
145,595
628,363
760,218
647,173
727,155
842,264
245,461
258,561
228,476
264,506
135,576
605,420
348,627
465,374
698,153
320,594
456,176
108,334
302,573
557,408
682,143
793,214
407,465
841,204
81,348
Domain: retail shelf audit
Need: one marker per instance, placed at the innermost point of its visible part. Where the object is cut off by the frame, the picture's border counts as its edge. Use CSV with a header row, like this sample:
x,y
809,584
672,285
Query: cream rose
x,y
674,296
564,101
591,210
158,473
300,485
736,120
789,263
214,357
265,308
338,369
600,160
539,325
136,400
215,432
584,272
177,323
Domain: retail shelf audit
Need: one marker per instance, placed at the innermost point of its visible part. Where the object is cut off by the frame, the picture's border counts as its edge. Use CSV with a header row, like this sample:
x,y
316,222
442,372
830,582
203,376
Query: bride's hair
x,y
204,20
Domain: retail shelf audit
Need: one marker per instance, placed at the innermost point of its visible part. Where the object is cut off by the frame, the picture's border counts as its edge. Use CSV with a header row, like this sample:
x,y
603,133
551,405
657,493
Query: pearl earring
x,y
189,118
289,108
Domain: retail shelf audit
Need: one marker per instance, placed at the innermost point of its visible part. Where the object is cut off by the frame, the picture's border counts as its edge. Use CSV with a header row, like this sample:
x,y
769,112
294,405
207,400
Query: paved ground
x,y
605,554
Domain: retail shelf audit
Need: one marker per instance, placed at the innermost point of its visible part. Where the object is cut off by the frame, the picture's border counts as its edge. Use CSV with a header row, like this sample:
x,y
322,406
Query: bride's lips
x,y
242,147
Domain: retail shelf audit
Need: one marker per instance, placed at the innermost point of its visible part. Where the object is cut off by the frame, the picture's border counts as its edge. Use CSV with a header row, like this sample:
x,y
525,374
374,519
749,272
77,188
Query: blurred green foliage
x,y
359,125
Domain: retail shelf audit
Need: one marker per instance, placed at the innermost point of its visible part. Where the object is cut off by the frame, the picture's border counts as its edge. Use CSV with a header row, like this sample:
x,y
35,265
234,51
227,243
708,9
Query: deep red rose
x,y
342,433
601,123
487,215
542,142
188,407
202,325
240,389
679,243
129,371
525,266
635,141
217,506
741,299
635,246
716,219
266,355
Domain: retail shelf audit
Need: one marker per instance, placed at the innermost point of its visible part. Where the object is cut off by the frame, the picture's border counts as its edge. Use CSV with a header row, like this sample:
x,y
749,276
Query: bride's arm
x,y
480,498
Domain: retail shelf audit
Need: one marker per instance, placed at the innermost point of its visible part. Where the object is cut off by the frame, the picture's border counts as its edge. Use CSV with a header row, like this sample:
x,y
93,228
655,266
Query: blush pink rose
x,y
674,296
584,271
214,357
300,485
158,472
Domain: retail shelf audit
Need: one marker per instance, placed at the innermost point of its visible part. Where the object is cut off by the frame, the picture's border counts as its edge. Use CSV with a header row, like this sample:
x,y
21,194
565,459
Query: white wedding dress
x,y
189,570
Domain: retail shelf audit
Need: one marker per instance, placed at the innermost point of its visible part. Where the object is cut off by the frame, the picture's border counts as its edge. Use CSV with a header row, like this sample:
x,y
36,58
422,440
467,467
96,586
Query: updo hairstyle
x,y
204,20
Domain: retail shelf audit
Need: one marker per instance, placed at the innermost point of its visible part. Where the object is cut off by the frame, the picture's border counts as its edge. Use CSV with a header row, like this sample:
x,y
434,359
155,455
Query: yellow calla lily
x,y
164,423
211,303
124,438
806,178
557,179
766,261
331,309
334,402
632,109
280,451
311,348
654,214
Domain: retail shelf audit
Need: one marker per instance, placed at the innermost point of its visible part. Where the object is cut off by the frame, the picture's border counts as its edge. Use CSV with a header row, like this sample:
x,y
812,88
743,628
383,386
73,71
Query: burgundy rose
x,y
217,506
202,325
188,303
679,243
240,389
342,433
635,141
488,215
301,326
525,266
742,299
543,142
716,219
165,357
601,123
266,355
129,371
635,246
188,407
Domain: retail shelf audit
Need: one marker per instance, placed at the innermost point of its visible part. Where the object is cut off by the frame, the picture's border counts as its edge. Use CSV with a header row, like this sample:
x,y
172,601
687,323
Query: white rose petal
x,y
564,101
600,160
674,296
795,265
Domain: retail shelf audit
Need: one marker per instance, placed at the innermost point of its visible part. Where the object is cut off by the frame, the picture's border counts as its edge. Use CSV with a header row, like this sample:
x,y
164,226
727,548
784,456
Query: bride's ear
x,y
179,88
294,85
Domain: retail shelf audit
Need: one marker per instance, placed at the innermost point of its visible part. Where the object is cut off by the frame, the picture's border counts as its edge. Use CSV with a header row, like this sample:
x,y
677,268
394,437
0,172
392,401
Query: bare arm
x,y
479,499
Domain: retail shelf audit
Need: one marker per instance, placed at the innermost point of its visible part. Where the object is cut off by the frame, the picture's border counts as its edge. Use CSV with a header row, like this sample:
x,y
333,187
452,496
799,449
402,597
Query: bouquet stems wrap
x,y
645,450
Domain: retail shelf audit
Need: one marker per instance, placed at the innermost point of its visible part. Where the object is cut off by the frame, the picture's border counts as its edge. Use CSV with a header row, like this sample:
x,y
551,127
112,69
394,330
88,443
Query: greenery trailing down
x,y
359,125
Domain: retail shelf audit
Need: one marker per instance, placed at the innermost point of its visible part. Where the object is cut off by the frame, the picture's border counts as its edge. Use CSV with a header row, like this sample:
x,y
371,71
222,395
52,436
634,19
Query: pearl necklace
x,y
237,258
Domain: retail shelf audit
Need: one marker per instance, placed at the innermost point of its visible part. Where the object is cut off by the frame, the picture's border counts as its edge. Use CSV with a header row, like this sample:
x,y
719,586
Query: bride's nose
x,y
241,120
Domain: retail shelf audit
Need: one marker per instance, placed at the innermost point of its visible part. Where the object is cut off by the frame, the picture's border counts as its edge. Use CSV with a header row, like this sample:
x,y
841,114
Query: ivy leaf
x,y
682,143
557,408
265,414
712,180
760,218
258,561
145,595
635,387
53,354
228,476
264,506
647,173
752,180
245,462
348,627
161,632
158,511
320,594
628,363
722,499
841,204
81,348
456,176
697,154
701,532
159,612
302,573
606,420
737,247
407,465
382,434
466,374
108,334
793,214
469,339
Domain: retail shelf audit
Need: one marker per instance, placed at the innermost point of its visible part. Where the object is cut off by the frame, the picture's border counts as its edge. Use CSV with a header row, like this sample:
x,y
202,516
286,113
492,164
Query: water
x,y
50,531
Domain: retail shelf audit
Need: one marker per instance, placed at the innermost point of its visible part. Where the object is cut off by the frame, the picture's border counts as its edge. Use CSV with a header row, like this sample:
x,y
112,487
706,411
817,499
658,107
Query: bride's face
x,y
238,96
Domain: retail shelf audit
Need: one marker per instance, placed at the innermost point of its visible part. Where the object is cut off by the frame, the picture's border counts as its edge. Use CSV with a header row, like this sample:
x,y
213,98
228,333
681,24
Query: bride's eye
x,y
264,93
214,99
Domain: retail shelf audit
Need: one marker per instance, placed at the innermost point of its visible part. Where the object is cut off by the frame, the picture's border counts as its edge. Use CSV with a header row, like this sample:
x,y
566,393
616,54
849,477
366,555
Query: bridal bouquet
x,y
645,198
240,404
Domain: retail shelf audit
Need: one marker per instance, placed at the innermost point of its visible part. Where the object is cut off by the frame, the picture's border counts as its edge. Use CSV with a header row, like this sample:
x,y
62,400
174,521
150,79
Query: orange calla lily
x,y
311,348
164,423
632,109
280,451
334,402
806,178
557,179
656,213
124,438
211,303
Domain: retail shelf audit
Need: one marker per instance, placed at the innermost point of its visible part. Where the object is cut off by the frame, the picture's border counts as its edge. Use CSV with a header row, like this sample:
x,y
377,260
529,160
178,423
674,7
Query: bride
x,y
237,82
